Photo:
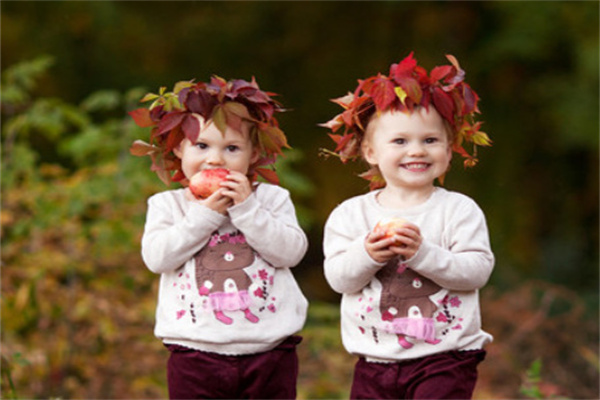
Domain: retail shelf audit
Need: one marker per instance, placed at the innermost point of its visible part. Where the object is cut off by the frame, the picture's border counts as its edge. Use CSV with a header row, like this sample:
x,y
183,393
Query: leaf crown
x,y
408,86
185,111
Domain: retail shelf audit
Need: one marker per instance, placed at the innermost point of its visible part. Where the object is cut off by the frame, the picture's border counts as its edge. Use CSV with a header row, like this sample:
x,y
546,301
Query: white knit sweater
x,y
226,285
422,306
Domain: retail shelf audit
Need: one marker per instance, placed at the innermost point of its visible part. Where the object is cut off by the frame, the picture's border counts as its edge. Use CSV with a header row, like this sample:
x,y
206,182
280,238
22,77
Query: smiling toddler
x,y
410,301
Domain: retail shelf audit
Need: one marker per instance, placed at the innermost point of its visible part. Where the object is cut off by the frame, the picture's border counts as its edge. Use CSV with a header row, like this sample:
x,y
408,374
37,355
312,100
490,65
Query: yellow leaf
x,y
182,85
481,139
148,97
400,93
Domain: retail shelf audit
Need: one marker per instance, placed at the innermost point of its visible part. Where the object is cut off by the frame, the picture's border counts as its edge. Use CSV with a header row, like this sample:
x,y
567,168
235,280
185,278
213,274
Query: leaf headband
x,y
185,111
407,87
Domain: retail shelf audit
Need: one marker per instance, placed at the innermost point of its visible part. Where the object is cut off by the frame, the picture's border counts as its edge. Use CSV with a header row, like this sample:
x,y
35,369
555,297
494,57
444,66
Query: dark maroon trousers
x,y
193,374
449,375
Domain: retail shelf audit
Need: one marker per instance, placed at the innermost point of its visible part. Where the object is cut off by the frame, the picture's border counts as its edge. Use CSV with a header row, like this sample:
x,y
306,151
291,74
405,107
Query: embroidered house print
x,y
405,306
220,275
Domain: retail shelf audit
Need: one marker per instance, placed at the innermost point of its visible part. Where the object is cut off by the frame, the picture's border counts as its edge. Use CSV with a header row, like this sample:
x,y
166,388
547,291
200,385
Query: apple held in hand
x,y
207,181
389,226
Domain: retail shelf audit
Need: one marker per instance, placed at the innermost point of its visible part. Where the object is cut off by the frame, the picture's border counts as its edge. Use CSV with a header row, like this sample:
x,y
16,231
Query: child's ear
x,y
255,156
368,153
178,150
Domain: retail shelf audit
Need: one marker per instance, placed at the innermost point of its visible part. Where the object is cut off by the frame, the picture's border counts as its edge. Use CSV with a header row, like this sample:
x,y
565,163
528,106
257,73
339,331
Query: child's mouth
x,y
415,167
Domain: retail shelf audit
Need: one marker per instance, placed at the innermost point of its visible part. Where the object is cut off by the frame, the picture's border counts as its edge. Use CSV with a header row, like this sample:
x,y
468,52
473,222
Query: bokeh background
x,y
77,301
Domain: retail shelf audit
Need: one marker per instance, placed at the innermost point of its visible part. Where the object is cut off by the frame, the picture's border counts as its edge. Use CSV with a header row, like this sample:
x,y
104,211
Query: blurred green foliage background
x,y
77,300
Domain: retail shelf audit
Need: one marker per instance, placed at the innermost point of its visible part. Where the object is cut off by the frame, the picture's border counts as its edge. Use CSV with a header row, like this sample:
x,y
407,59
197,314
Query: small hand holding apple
x,y
207,181
391,238
219,188
237,187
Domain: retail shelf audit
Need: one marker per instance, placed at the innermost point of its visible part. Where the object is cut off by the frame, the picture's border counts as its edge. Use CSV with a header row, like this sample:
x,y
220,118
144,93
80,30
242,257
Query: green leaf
x,y
219,119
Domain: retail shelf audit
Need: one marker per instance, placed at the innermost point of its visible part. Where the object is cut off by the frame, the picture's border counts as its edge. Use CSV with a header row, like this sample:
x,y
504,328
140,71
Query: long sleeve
x,y
224,283
464,261
268,220
348,266
426,305
174,233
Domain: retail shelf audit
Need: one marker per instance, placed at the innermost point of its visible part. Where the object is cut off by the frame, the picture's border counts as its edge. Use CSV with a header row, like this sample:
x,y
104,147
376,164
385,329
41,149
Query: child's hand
x,y
405,243
217,201
378,246
237,187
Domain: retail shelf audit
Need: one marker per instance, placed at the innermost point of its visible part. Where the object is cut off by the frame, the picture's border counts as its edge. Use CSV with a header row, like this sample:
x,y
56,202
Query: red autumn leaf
x,y
382,92
191,127
199,102
159,166
412,88
458,75
344,101
218,81
457,148
444,104
264,161
268,174
179,176
375,179
341,141
440,72
350,149
470,100
170,121
404,68
334,124
347,116
141,117
140,148
174,139
459,102
267,108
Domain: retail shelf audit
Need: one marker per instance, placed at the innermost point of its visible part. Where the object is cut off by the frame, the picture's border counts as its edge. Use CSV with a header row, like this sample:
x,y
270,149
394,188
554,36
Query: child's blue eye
x,y
431,140
399,141
232,148
201,145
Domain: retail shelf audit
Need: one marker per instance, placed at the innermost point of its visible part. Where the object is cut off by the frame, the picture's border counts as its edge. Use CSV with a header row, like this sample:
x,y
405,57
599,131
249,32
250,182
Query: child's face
x,y
410,149
233,151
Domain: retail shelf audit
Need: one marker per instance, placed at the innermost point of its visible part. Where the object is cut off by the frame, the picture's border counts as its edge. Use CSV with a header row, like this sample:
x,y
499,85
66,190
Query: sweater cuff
x,y
245,207
199,214
416,260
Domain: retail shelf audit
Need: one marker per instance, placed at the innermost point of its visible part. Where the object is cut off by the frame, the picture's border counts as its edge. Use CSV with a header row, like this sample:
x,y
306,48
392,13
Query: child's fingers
x,y
406,245
237,187
218,202
378,247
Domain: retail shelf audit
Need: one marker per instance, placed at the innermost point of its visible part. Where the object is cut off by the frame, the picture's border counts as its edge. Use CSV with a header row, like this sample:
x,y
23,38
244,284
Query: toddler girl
x,y
228,304
409,257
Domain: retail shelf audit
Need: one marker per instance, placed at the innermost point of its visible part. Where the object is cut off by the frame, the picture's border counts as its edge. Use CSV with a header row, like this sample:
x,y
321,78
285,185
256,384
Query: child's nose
x,y
215,158
416,149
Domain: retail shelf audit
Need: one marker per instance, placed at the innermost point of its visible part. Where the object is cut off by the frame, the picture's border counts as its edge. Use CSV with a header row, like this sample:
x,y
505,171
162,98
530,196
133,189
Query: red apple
x,y
389,226
207,181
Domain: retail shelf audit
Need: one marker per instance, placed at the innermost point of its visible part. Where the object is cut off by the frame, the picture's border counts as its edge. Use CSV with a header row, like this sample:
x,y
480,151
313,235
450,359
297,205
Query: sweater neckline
x,y
418,209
